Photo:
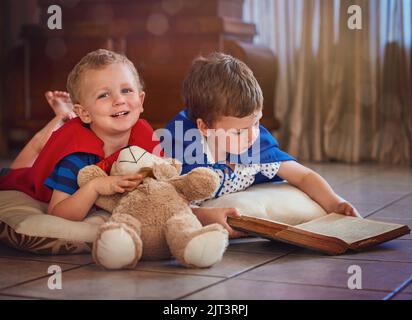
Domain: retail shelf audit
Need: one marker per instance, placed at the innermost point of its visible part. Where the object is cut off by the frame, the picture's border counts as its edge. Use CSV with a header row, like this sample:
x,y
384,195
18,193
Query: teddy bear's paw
x,y
205,249
117,247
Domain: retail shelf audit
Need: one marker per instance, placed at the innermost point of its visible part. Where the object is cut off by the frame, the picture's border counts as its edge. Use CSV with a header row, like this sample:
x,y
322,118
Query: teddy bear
x,y
155,221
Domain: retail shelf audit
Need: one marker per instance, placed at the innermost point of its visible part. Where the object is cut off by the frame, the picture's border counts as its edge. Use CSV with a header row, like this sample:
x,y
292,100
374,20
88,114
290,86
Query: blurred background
x,y
332,93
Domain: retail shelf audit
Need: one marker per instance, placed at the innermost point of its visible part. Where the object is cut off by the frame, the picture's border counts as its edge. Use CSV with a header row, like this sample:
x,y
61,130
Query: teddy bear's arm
x,y
198,184
89,173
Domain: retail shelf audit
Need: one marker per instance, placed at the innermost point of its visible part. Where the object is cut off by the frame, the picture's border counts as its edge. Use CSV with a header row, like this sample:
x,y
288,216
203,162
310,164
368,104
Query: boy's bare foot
x,y
61,104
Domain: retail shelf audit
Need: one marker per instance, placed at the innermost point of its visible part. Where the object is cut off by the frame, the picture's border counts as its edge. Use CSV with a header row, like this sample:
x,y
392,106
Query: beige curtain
x,y
342,94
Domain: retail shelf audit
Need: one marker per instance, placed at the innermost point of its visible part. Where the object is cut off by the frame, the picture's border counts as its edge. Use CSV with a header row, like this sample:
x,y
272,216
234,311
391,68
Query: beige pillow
x,y
25,226
274,201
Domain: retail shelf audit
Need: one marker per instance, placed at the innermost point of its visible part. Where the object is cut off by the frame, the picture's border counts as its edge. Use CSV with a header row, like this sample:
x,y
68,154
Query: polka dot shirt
x,y
241,177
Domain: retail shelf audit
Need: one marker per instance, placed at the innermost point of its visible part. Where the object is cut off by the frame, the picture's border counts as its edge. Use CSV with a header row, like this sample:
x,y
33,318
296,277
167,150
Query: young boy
x,y
107,96
224,104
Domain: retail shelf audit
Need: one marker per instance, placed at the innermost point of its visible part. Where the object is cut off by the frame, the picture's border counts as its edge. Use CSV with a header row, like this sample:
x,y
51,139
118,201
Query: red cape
x,y
70,138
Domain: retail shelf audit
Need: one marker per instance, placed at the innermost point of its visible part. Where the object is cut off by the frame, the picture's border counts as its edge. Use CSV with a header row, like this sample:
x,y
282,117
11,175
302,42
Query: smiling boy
x,y
107,96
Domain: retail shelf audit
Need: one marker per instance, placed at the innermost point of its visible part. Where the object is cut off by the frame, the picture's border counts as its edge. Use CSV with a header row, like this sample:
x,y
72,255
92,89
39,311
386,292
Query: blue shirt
x,y
64,175
4,171
189,151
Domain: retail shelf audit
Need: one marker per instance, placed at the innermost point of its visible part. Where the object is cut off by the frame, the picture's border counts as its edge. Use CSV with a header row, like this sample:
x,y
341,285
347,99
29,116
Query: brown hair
x,y
95,60
220,85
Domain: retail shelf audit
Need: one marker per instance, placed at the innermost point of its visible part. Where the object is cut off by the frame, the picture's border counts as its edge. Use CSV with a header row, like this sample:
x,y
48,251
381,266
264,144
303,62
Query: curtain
x,y
341,94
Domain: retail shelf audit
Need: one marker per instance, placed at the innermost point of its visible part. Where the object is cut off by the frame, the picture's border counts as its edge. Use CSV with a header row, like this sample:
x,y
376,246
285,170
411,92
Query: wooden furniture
x,y
160,37
3,142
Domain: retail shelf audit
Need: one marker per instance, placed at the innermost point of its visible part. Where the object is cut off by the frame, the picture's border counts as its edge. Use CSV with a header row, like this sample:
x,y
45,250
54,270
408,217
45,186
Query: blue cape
x,y
189,149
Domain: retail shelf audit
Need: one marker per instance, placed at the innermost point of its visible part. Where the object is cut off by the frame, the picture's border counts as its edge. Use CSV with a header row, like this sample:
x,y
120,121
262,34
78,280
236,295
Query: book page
x,y
349,229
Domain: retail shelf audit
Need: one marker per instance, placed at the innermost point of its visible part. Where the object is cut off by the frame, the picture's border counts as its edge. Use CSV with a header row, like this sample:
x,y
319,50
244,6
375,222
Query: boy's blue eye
x,y
127,90
103,95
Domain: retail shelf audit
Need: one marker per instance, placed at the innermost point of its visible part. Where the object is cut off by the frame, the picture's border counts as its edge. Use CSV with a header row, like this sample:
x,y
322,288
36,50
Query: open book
x,y
332,234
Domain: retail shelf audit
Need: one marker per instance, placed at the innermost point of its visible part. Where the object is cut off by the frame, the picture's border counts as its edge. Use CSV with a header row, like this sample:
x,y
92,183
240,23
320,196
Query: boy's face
x,y
110,99
232,135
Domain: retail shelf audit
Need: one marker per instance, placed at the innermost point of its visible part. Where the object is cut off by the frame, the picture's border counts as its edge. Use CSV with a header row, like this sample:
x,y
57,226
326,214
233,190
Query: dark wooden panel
x,y
198,27
104,11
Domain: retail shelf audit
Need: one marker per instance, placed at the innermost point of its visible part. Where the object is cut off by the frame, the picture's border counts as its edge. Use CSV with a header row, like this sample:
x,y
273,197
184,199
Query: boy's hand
x,y
107,186
218,215
344,207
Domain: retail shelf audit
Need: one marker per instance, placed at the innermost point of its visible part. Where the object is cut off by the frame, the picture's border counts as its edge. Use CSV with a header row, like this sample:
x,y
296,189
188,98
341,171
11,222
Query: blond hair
x,y
96,60
220,85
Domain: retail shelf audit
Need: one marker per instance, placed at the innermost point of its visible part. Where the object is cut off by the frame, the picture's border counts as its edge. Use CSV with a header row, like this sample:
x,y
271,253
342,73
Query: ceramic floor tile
x,y
15,271
261,269
367,209
232,264
403,296
338,175
407,201
346,170
407,289
395,250
91,282
78,259
361,195
240,289
398,210
338,180
398,177
377,183
325,271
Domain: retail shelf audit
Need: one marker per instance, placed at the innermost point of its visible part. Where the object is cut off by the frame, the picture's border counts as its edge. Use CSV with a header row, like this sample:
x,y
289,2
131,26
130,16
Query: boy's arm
x,y
76,206
315,186
73,207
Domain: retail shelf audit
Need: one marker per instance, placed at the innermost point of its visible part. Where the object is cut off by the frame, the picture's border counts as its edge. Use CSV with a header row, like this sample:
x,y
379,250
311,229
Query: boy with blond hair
x,y
107,97
106,93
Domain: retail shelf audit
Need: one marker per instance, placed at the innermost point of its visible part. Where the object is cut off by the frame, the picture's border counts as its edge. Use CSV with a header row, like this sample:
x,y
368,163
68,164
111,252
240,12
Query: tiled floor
x,y
252,268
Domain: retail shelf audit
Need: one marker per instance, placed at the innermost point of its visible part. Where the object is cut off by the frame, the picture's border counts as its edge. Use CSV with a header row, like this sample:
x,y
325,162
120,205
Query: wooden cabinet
x,y
160,37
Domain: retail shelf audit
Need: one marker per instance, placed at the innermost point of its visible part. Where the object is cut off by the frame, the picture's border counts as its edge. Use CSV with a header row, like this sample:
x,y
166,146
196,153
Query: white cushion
x,y
274,201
